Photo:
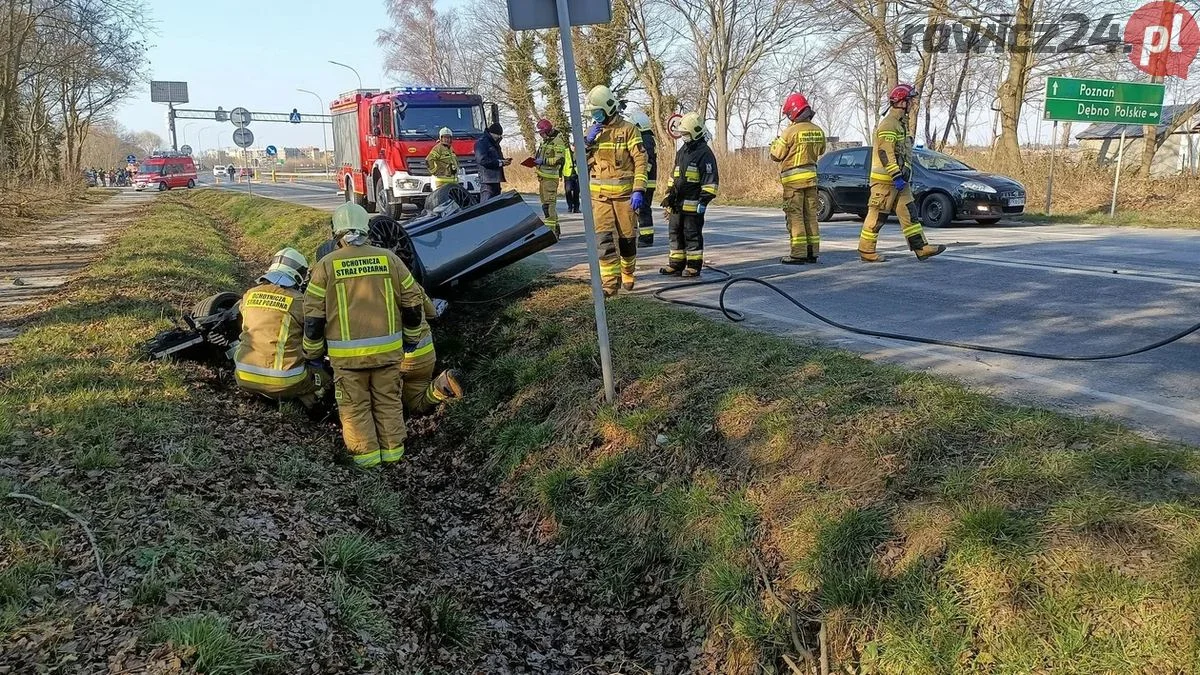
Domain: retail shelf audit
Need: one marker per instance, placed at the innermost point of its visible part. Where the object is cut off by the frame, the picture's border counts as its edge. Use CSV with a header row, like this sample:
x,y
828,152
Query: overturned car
x,y
454,242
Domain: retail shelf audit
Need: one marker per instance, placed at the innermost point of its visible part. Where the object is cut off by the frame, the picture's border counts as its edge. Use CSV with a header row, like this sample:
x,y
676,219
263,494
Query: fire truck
x,y
381,139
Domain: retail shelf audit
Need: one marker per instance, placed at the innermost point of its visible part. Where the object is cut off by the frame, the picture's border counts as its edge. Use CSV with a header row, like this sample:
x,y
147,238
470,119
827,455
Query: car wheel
x,y
824,206
448,193
936,210
987,221
387,232
215,304
326,248
191,184
162,187
348,192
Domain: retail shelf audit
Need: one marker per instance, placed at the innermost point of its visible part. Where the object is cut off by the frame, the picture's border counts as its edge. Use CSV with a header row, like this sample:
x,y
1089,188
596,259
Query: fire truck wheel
x,y
381,196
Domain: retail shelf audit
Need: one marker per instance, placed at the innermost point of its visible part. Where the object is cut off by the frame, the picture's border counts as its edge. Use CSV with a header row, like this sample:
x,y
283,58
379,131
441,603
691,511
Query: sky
x,y
255,54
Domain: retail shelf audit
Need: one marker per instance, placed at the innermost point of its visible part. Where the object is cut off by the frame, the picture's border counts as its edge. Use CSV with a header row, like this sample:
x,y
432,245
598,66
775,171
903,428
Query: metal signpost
x,y
539,14
243,137
1071,99
170,93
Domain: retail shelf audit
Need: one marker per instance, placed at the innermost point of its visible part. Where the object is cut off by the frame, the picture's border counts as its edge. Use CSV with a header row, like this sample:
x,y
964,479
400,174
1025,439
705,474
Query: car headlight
x,y
976,186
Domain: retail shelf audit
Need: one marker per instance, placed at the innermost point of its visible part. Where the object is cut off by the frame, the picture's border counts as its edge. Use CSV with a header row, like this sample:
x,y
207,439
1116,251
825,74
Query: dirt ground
x,y
38,257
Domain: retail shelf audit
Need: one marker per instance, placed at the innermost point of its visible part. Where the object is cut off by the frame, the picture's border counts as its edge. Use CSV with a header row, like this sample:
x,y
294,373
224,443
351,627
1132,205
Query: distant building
x,y
1180,152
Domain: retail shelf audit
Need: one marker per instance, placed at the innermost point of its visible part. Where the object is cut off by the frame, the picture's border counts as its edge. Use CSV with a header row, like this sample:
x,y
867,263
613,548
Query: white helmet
x,y
288,265
445,131
641,120
692,126
601,98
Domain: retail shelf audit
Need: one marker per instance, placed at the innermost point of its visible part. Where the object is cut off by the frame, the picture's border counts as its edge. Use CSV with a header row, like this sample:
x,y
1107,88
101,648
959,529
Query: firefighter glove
x,y
701,207
637,200
594,132
539,161
898,183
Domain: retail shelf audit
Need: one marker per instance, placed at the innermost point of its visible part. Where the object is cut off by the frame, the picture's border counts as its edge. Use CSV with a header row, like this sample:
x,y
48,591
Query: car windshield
x,y
425,121
151,170
936,161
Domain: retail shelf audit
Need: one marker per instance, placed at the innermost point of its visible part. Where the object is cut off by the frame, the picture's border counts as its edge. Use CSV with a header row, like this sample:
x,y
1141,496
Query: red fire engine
x,y
381,139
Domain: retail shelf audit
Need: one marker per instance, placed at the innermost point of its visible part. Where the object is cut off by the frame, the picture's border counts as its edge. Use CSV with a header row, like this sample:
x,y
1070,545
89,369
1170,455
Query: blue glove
x,y
539,161
637,200
701,207
899,183
594,132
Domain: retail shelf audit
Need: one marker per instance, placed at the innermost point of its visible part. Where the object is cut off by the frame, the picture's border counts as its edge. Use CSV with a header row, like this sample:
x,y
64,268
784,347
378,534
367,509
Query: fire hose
x,y
729,281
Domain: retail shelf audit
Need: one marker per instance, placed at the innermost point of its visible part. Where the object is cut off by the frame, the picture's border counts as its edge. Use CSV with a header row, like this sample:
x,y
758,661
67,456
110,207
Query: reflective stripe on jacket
x,y
616,161
695,179
892,151
797,150
553,151
651,146
269,357
362,305
443,165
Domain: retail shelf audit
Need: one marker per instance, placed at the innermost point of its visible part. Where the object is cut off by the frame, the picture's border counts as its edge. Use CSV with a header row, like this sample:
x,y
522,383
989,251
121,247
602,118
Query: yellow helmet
x,y
601,98
350,217
287,265
692,126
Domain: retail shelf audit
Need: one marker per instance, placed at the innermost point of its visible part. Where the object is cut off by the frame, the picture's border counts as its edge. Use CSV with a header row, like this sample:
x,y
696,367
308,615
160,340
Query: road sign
x,y
294,118
168,92
221,115
271,151
185,149
537,14
243,137
240,117
1076,100
673,126
130,159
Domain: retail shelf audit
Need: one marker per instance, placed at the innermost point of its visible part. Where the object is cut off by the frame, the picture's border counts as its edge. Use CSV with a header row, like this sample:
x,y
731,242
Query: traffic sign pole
x,y
1050,180
1112,210
589,225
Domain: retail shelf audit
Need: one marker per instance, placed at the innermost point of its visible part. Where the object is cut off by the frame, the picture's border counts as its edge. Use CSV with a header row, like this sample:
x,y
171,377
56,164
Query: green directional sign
x,y
1077,100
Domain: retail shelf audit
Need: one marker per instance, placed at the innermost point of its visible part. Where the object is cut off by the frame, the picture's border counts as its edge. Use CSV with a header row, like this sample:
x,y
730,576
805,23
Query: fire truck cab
x,y
381,140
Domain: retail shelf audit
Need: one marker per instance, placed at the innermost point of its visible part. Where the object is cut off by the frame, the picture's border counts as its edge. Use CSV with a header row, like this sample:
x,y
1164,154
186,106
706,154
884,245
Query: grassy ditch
x,y
229,538
928,528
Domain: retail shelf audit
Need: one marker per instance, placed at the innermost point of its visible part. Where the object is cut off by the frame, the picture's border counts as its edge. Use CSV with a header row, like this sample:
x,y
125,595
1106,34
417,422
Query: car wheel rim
x,y
935,212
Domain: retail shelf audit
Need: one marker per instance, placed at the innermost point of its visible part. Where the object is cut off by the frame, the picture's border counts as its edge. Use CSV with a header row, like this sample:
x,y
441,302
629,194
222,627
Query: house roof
x,y
1105,130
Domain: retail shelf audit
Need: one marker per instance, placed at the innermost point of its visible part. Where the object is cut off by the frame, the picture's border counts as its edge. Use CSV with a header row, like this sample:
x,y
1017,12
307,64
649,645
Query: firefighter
x,y
269,359
364,308
891,169
797,151
422,390
571,180
549,160
646,214
441,160
693,186
617,175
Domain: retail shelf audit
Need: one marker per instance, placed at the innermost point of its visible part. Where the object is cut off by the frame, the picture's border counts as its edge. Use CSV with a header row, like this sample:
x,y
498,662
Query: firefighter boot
x,y
790,260
929,250
446,386
627,281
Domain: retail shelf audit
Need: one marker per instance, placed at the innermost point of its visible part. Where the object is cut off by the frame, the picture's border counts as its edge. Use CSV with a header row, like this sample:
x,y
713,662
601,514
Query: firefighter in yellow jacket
x,y
891,168
364,308
269,359
797,151
549,161
441,160
617,176
422,390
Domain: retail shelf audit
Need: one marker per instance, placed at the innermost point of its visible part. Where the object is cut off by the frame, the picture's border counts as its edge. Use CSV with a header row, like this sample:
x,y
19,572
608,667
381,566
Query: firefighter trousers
x,y
616,237
419,392
685,232
548,192
371,407
646,220
883,199
800,208
571,193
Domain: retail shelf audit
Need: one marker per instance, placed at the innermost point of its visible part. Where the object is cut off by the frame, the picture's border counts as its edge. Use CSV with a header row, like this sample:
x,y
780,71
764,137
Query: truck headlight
x,y
408,184
976,186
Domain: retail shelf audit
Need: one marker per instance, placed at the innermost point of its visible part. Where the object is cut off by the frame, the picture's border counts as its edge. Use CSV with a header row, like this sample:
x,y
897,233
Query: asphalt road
x,y
1048,288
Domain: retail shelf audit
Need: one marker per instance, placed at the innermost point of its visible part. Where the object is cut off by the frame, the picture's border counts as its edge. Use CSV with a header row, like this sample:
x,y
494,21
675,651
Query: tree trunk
x,y
952,115
1012,91
1149,141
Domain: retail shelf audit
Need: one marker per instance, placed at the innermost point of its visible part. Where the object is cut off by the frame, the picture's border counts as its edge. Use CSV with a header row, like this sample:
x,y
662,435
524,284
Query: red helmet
x,y
794,105
902,93
544,126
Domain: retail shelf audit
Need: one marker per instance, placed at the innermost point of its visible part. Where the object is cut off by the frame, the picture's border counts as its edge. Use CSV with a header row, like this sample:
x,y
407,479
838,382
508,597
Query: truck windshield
x,y
425,121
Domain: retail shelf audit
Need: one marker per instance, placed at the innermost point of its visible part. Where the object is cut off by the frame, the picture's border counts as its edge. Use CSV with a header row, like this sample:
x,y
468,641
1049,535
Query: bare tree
x,y
422,43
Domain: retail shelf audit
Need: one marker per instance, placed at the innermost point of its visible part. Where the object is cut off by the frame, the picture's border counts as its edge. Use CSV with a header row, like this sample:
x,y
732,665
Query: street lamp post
x,y
351,70
200,142
324,138
185,129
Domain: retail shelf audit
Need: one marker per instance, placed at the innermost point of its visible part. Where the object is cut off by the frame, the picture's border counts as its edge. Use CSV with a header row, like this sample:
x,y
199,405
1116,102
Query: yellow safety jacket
x,y
797,150
269,358
364,307
443,165
893,151
554,151
695,179
616,161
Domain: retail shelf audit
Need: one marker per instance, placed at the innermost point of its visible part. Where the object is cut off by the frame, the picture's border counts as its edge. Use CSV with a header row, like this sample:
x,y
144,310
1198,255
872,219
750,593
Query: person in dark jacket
x,y
491,162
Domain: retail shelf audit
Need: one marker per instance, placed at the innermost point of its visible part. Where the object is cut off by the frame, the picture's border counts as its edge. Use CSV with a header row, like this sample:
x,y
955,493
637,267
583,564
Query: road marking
x,y
1167,278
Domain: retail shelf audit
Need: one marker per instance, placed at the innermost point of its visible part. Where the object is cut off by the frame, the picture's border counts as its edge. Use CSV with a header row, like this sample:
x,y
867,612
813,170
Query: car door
x,y
852,187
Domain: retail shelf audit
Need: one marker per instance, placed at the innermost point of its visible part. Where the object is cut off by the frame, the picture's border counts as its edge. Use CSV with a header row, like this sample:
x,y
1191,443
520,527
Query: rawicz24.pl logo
x,y
1163,39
